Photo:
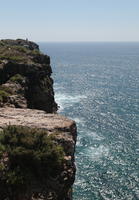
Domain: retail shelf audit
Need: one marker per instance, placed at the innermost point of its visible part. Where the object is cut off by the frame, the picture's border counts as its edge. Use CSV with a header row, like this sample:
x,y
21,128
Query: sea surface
x,y
97,85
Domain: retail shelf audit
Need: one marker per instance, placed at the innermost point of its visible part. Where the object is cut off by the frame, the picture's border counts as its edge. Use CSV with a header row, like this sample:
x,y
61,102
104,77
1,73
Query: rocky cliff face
x,y
36,145
25,76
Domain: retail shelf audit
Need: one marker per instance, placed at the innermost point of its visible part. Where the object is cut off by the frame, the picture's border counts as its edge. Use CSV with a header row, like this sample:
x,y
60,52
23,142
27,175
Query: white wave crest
x,y
97,152
65,100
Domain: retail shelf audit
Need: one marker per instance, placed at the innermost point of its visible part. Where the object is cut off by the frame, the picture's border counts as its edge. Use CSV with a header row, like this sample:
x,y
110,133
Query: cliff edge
x,y
36,145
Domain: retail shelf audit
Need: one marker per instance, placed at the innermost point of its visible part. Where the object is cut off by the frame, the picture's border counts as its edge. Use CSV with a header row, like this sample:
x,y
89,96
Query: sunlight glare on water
x,y
97,85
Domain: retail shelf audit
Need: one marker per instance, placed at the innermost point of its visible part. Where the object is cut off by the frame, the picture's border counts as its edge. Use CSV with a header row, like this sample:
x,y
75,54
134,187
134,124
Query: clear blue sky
x,y
70,20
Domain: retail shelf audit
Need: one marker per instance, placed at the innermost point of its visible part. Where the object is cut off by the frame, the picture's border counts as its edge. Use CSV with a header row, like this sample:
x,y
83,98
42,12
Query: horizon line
x,y
85,41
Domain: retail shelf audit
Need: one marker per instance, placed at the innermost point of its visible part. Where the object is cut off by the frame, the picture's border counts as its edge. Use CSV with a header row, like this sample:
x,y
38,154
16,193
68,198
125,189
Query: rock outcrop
x,y
64,132
25,76
28,111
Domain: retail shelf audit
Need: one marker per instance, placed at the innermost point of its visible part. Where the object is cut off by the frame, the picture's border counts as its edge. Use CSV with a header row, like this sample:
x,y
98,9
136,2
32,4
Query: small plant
x,y
5,92
17,78
6,89
3,96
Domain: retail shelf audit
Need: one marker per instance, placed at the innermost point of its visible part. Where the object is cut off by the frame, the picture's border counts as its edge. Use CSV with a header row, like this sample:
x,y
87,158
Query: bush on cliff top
x,y
26,155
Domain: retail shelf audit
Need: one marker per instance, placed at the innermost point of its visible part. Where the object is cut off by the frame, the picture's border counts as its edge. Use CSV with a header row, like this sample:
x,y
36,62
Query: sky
x,y
70,20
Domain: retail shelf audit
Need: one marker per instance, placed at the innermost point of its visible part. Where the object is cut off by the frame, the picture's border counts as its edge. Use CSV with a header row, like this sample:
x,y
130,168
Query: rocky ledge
x,y
36,145
63,132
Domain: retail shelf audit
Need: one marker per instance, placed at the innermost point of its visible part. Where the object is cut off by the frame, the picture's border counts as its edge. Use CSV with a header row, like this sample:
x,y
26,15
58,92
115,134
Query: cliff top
x,y
20,51
34,119
19,42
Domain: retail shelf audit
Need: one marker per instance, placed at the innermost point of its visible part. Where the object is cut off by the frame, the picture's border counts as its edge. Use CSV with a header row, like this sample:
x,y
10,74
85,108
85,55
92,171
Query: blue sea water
x,y
97,85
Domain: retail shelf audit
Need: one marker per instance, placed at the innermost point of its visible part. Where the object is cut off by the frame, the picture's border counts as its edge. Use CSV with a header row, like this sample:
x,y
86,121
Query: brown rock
x,y
64,131
22,63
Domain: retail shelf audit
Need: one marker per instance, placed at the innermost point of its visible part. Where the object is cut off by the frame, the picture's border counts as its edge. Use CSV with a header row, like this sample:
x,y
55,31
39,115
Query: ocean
x,y
97,85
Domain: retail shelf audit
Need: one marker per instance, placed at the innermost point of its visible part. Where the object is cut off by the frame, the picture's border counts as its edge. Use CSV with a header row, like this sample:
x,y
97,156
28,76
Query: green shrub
x,y
3,96
5,92
17,78
32,155
6,89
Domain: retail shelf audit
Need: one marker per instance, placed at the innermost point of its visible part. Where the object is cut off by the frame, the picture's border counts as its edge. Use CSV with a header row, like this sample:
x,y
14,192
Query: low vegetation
x,y
31,154
5,92
17,53
3,96
18,78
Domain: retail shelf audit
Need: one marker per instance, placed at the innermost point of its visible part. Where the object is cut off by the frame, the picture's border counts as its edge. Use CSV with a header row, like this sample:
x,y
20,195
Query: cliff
x,y
25,76
36,145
